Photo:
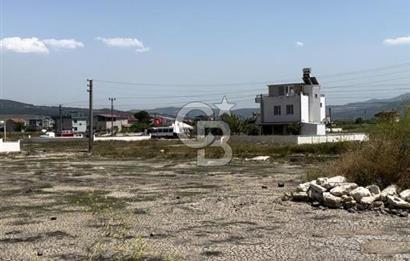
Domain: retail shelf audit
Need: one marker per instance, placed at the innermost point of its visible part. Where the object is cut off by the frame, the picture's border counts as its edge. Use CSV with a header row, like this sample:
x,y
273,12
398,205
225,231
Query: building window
x,y
315,95
276,110
289,109
321,105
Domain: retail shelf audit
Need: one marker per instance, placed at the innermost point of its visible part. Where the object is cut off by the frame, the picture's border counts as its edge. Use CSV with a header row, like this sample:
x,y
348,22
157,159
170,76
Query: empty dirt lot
x,y
66,206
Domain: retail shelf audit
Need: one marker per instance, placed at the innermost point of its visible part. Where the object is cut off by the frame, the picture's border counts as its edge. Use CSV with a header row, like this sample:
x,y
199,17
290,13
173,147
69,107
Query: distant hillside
x,y
25,110
365,109
368,109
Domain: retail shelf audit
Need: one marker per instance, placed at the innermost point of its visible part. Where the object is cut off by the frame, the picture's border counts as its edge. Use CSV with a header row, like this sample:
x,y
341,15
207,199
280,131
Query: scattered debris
x,y
281,184
337,192
258,158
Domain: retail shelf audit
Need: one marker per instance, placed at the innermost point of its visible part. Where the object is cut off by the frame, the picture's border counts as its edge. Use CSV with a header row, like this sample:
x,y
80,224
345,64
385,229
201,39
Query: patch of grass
x,y
94,201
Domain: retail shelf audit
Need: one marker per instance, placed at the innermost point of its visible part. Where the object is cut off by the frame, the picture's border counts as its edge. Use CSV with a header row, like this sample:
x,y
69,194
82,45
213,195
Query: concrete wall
x,y
294,139
9,146
123,138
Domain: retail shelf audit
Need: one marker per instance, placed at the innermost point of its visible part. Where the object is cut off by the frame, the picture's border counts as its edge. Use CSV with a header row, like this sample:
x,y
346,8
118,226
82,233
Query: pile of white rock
x,y
337,192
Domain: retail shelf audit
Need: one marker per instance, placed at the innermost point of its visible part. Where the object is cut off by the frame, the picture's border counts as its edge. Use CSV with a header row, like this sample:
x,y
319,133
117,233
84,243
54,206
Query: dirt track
x,y
61,206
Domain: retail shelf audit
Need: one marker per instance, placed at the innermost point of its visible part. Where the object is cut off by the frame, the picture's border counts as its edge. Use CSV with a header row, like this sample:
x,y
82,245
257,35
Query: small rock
x,y
264,187
389,191
368,200
300,196
315,204
321,181
377,204
396,202
281,184
39,253
304,187
53,218
177,197
287,196
374,189
152,234
332,201
343,189
404,214
359,193
405,194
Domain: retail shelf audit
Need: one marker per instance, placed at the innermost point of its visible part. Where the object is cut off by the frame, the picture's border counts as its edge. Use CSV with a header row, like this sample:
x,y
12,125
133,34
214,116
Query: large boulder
x,y
332,201
359,193
396,202
304,187
316,192
332,182
343,189
405,194
389,191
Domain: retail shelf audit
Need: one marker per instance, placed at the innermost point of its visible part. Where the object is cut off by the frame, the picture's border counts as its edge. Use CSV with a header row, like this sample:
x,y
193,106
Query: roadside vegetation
x,y
384,160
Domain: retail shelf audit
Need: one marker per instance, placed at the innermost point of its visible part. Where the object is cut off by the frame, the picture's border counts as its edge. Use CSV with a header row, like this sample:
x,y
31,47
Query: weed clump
x,y
384,159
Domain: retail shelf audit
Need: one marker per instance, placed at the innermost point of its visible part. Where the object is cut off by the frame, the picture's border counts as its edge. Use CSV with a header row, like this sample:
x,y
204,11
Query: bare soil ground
x,y
63,206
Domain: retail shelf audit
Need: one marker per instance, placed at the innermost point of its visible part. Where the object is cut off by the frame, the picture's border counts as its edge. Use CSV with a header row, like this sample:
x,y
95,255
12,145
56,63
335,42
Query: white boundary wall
x,y
294,139
123,138
9,146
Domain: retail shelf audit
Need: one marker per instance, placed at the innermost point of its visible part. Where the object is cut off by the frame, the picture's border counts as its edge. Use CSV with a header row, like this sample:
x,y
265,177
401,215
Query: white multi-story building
x,y
293,108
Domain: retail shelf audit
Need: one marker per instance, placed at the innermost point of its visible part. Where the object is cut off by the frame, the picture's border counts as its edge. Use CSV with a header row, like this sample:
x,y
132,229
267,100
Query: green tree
x,y
142,116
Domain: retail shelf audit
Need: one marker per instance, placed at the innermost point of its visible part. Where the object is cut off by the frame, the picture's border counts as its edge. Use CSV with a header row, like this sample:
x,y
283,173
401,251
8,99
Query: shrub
x,y
384,159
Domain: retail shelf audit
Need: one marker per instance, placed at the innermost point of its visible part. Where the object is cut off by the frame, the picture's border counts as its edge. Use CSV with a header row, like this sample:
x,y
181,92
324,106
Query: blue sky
x,y
193,48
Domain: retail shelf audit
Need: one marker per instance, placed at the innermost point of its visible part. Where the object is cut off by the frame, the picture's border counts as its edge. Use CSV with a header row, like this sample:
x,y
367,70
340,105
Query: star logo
x,y
224,106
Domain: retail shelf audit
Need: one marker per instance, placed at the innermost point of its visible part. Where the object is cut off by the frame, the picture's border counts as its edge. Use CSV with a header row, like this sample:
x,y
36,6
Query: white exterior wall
x,y
81,126
9,146
269,102
304,104
323,109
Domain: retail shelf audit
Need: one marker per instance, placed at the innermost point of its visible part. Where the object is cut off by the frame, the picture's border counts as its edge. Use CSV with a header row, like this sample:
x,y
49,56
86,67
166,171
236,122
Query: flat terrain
x,y
66,206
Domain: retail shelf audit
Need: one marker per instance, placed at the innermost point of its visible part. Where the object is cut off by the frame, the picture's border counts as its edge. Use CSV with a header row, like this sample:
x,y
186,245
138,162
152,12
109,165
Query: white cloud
x,y
300,44
397,41
124,42
35,45
63,43
23,45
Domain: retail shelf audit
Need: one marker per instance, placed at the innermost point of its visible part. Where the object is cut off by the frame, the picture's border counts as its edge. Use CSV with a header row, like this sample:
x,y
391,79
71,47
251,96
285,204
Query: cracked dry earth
x,y
57,207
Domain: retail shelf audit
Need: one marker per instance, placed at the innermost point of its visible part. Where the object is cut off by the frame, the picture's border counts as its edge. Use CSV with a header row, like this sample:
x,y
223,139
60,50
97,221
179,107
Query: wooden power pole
x,y
90,117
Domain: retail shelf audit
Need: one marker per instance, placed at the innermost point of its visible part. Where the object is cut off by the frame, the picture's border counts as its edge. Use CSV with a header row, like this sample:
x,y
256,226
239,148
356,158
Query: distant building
x,y
15,124
74,122
293,108
106,121
38,123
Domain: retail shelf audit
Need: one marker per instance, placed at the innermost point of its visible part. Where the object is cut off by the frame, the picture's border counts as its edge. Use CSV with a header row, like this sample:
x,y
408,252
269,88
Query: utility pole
x,y
60,110
112,115
90,116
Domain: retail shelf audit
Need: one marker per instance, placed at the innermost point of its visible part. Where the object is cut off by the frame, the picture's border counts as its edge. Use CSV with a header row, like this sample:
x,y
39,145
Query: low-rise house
x,y
108,121
38,123
293,108
15,125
